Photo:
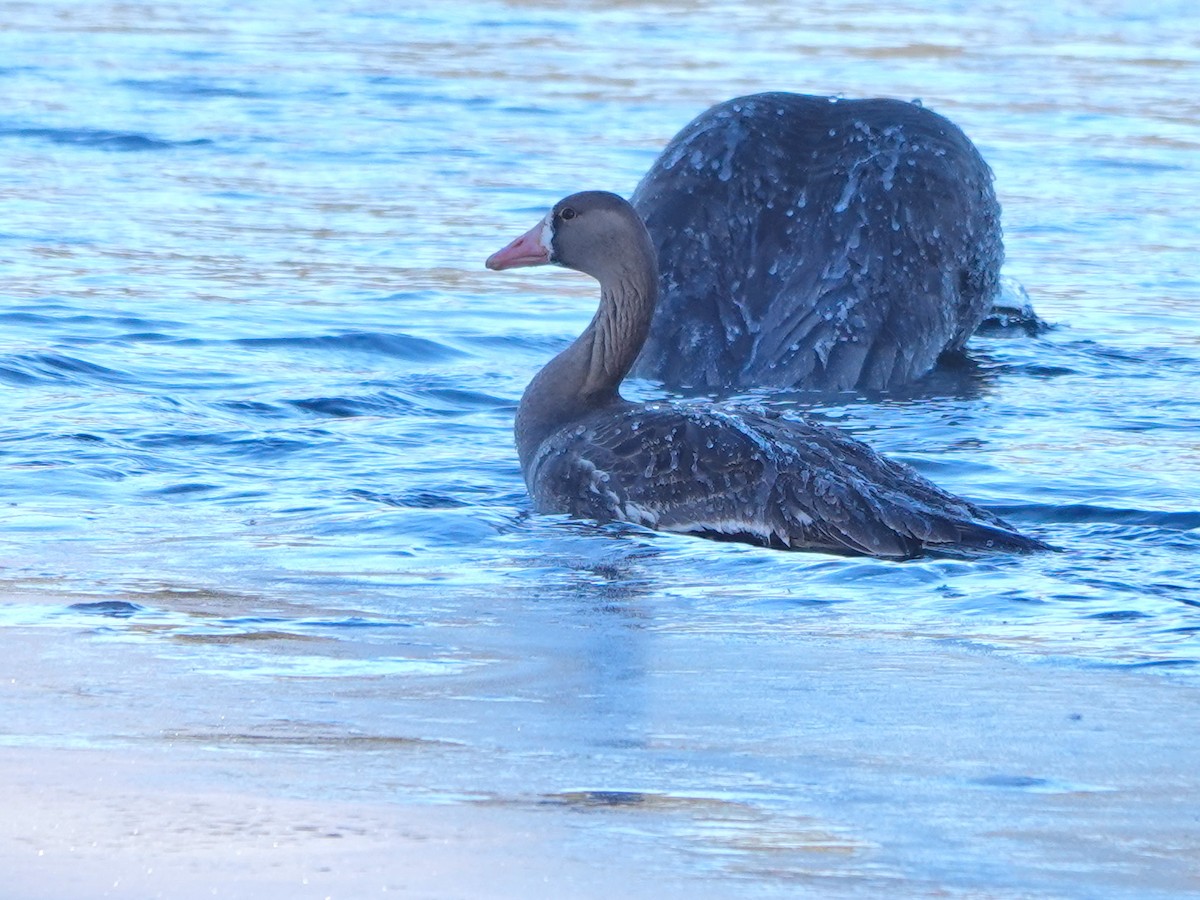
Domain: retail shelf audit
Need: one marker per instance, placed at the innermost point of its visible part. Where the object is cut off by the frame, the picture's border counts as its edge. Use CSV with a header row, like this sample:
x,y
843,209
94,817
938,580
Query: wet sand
x,y
957,773
82,824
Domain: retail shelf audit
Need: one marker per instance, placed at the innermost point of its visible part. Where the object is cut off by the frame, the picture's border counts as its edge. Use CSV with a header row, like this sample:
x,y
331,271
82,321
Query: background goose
x,y
816,243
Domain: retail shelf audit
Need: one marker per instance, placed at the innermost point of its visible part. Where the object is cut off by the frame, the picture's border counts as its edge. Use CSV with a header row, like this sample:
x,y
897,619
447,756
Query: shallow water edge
x,y
905,767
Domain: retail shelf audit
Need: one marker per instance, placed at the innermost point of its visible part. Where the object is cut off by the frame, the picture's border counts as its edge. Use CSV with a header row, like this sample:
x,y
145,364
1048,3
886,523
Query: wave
x,y
418,499
347,407
1084,513
401,346
51,368
100,139
189,88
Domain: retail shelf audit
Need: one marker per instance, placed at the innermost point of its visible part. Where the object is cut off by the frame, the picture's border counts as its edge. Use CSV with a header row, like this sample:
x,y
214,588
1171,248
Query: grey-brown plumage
x,y
748,476
816,243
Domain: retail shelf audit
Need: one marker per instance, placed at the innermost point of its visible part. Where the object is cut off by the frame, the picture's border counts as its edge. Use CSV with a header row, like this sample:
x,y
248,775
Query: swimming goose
x,y
755,477
817,243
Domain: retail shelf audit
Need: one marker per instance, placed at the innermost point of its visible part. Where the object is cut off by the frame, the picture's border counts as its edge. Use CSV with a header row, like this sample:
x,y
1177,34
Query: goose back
x,y
758,478
813,243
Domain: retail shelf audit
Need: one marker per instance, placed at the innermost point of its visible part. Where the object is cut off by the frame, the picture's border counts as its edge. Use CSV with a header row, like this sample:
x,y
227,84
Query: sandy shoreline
x,y
80,824
1076,781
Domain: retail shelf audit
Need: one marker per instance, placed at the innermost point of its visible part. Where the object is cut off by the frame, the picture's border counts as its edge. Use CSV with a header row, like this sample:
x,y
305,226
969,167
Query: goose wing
x,y
758,478
862,502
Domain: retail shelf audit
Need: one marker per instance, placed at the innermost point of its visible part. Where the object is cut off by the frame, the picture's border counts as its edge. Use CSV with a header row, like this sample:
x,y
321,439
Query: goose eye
x,y
567,213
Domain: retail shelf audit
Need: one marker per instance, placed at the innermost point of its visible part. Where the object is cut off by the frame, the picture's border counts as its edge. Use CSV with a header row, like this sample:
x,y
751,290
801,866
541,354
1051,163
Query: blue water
x,y
258,388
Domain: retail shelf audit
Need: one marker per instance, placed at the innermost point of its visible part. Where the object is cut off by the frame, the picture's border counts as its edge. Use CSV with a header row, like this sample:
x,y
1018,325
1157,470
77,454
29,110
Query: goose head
x,y
594,232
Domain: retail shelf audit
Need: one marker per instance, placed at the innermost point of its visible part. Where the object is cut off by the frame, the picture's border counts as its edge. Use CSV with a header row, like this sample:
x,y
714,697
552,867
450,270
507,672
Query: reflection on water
x,y
262,509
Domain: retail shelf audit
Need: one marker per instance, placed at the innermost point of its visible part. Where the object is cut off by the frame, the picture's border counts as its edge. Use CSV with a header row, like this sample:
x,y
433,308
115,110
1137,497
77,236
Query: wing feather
x,y
755,477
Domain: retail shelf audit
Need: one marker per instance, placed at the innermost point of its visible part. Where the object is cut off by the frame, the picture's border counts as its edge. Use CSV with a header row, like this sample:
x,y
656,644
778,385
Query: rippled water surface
x,y
258,474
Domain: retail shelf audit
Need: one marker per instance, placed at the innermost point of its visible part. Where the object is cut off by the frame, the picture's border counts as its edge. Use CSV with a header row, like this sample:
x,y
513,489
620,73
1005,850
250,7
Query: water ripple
x,y
34,368
402,346
93,139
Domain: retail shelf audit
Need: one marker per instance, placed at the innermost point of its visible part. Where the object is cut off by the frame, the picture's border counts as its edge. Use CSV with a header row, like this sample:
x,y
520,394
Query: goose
x,y
816,243
737,475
